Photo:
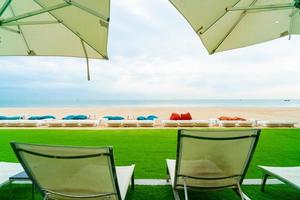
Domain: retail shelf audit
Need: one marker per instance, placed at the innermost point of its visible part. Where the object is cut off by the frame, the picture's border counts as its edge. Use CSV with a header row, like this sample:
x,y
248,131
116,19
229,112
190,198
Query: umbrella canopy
x,y
229,24
75,28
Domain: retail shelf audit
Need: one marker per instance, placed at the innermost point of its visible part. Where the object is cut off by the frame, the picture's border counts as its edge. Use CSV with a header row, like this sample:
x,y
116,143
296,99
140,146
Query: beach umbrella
x,y
229,24
72,28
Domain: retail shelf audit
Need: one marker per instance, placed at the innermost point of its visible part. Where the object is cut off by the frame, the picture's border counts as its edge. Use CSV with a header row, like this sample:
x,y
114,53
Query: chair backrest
x,y
62,172
212,159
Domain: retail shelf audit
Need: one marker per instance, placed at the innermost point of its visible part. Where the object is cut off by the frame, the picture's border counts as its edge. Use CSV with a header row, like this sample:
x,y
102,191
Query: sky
x,y
155,54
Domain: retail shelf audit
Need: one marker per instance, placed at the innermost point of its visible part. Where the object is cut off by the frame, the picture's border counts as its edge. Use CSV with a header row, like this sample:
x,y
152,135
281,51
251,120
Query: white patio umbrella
x,y
73,28
229,24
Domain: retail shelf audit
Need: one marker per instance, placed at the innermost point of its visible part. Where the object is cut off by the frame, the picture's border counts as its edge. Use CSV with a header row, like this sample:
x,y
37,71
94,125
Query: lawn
x,y
149,148
273,192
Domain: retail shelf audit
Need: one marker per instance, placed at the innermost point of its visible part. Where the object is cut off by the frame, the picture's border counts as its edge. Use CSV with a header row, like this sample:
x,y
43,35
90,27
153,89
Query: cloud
x,y
154,54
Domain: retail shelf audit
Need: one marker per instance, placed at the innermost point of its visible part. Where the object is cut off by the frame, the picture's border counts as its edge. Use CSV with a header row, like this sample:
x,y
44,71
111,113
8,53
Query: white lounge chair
x,y
72,123
202,123
273,124
228,123
55,123
193,123
211,159
245,123
80,123
114,123
130,123
65,172
288,175
146,123
185,123
169,123
20,123
7,170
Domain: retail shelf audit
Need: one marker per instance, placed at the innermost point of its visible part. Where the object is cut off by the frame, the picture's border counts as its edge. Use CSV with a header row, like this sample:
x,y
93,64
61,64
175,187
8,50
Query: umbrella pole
x,y
292,16
87,60
88,69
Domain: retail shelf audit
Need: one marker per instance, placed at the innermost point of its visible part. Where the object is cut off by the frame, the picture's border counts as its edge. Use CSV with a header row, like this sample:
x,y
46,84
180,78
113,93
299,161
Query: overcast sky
x,y
154,54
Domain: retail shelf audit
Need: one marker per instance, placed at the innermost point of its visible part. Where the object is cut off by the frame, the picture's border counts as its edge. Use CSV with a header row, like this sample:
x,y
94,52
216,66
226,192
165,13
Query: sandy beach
x,y
270,113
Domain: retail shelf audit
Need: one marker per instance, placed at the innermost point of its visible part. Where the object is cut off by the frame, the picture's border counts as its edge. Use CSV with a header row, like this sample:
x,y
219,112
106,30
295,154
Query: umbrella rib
x,y
78,5
263,8
10,29
232,28
33,13
31,23
75,33
199,30
21,32
4,7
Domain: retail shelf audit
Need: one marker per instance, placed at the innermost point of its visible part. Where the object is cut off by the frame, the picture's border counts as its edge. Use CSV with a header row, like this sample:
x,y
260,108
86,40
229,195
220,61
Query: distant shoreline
x,y
263,113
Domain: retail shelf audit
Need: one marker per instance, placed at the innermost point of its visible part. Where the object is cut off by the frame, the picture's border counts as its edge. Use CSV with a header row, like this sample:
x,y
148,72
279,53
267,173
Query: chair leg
x,y
32,192
11,190
265,177
239,192
168,175
176,195
132,181
185,190
45,197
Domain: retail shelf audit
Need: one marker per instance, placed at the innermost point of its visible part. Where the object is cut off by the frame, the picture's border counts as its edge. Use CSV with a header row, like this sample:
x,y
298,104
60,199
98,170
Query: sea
x,y
153,103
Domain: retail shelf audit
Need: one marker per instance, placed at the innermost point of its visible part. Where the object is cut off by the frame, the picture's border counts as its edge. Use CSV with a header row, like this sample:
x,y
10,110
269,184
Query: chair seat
x,y
124,174
289,175
201,168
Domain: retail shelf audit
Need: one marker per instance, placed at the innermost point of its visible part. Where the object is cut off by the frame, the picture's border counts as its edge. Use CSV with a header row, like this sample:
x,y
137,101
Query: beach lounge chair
x,y
130,123
245,123
20,123
55,123
274,124
288,175
185,123
193,123
7,170
211,159
146,123
170,123
114,123
202,123
80,123
228,123
30,123
65,173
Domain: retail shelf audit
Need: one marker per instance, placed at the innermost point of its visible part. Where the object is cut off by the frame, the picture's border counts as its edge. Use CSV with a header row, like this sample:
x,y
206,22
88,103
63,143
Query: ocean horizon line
x,y
153,103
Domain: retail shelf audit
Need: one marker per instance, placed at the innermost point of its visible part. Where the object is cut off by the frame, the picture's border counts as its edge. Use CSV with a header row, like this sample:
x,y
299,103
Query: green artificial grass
x,y
274,192
149,148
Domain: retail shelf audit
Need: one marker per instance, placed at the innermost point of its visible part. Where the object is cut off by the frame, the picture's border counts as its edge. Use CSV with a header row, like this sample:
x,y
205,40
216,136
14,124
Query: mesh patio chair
x,y
67,173
212,159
